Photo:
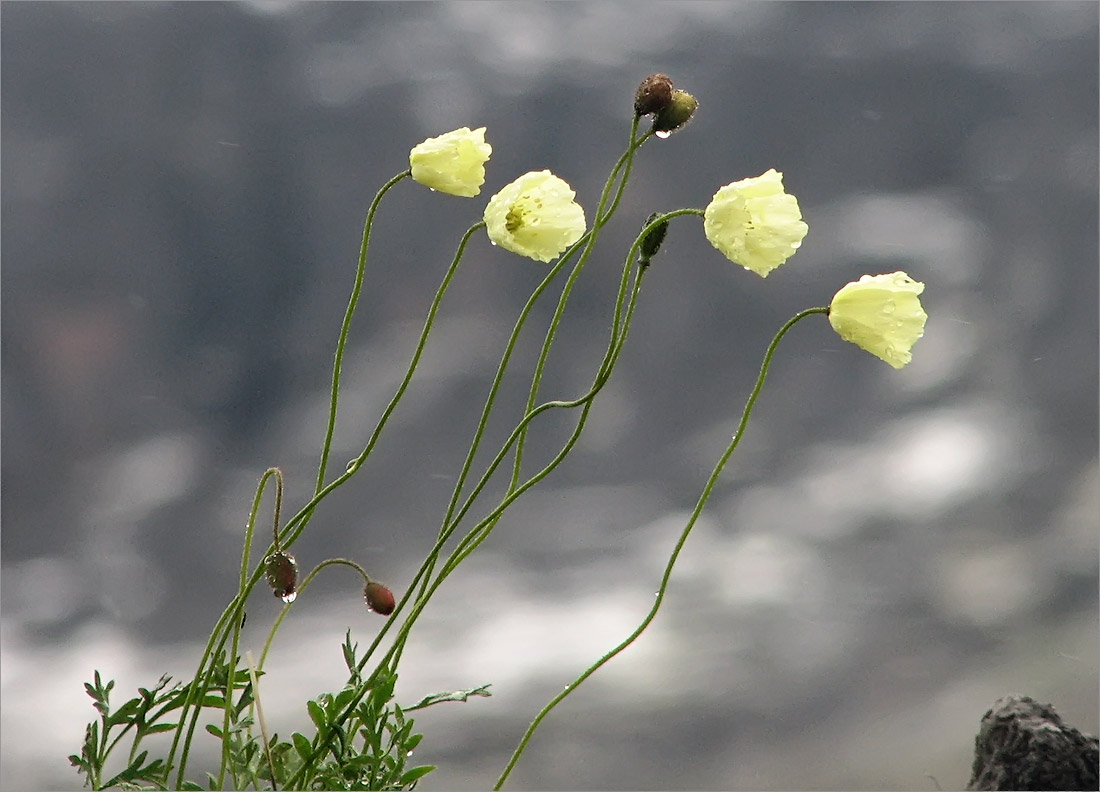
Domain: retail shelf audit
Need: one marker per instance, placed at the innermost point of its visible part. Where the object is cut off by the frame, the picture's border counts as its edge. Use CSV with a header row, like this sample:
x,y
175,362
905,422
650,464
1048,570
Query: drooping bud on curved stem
x,y
651,243
281,571
278,506
378,598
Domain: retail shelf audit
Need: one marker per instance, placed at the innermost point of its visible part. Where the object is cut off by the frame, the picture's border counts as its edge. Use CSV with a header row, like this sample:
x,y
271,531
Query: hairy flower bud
x,y
652,241
653,95
678,112
379,598
281,571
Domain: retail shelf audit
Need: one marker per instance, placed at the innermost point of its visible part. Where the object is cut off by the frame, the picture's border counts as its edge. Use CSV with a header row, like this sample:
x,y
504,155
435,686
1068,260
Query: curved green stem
x,y
196,691
301,589
703,498
472,540
231,668
345,327
602,214
297,524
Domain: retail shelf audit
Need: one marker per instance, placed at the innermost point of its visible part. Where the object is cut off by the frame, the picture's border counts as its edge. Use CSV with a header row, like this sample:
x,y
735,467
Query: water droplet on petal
x,y
663,134
289,598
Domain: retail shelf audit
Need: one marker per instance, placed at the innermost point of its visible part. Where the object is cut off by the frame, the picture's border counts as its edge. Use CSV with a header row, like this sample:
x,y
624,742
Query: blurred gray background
x,y
889,551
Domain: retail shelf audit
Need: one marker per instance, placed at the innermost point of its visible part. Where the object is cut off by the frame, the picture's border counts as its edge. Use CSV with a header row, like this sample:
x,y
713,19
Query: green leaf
x,y
415,774
244,702
348,649
301,744
157,728
343,698
125,713
316,714
215,730
456,695
191,786
135,771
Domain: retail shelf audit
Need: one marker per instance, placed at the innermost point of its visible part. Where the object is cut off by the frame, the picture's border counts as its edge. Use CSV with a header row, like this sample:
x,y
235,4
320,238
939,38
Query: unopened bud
x,y
379,598
678,112
281,571
651,243
653,95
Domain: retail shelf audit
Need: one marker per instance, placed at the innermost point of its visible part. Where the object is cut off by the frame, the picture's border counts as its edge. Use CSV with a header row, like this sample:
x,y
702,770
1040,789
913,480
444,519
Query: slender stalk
x,y
196,690
235,645
263,724
345,326
587,242
470,543
297,524
703,498
305,583
602,215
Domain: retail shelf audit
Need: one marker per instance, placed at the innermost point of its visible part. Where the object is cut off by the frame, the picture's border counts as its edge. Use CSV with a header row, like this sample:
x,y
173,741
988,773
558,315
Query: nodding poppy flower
x,y
453,163
881,314
754,223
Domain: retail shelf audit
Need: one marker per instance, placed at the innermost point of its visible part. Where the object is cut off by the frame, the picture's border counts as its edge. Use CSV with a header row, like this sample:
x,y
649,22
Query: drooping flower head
x,y
881,314
378,598
535,216
453,163
754,223
281,571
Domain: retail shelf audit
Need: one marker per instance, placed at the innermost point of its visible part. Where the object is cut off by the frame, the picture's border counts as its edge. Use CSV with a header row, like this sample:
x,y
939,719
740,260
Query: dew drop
x,y
663,134
289,598
889,307
352,466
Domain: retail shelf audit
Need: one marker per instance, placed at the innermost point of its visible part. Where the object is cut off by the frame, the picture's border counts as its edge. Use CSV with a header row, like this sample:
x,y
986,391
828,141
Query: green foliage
x,y
143,715
372,737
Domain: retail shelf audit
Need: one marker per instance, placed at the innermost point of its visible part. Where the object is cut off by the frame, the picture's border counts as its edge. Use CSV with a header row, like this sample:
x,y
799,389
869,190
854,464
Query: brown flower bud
x,y
678,112
653,95
281,571
379,598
